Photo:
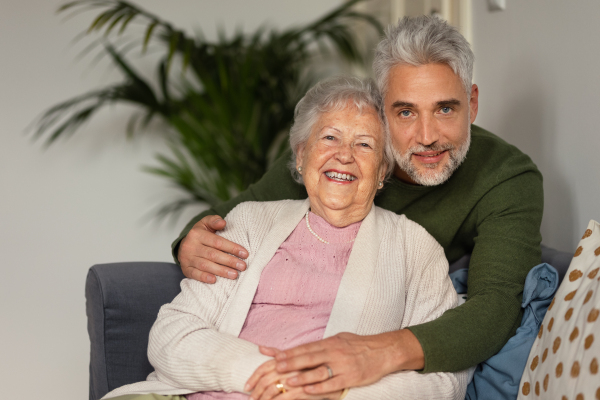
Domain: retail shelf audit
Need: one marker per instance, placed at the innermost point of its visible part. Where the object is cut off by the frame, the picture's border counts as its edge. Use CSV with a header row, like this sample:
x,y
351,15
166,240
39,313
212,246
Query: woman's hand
x,y
265,380
353,360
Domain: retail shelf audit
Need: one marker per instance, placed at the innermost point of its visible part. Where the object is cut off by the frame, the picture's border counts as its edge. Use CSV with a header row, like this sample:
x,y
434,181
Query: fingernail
x,y
309,388
247,387
281,365
280,356
232,274
240,266
292,381
243,254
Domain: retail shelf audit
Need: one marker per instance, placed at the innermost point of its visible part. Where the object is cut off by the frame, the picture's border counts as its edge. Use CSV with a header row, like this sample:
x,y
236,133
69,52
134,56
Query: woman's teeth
x,y
339,177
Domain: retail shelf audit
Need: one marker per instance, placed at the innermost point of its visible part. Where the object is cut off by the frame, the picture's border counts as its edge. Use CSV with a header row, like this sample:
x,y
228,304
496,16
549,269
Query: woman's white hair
x,y
330,95
423,40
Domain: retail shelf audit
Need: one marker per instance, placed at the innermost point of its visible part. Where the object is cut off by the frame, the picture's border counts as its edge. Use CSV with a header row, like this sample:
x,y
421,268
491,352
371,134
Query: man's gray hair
x,y
423,40
334,94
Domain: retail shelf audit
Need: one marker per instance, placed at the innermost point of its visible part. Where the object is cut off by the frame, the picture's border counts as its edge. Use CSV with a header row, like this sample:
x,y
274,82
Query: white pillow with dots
x,y
563,362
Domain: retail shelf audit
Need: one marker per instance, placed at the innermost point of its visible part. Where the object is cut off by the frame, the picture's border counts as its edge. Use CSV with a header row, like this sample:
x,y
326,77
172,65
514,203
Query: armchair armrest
x,y
122,301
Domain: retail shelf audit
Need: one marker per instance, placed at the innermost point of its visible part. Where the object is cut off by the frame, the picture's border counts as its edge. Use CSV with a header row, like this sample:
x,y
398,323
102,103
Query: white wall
x,y
537,71
83,201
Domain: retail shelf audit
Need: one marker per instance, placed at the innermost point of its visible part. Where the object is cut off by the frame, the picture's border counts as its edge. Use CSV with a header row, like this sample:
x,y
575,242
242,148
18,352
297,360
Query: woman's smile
x,y
340,177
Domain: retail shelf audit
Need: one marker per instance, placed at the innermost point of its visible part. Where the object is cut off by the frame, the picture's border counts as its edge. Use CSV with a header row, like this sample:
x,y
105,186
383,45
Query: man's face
x,y
429,116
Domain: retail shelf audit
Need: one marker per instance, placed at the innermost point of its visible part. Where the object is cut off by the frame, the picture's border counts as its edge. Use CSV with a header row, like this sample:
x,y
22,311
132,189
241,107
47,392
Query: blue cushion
x,y
499,376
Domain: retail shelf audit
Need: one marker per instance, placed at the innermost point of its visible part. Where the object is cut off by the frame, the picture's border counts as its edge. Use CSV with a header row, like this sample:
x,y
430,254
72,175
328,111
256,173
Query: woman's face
x,y
342,164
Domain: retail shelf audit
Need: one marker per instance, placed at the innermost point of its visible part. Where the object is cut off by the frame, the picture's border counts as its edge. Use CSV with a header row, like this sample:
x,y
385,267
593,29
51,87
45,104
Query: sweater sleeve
x,y
506,247
276,184
185,347
429,293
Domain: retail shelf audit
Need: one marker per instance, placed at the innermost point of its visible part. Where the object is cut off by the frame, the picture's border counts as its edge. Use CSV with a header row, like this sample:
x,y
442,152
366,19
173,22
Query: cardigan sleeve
x,y
429,293
185,347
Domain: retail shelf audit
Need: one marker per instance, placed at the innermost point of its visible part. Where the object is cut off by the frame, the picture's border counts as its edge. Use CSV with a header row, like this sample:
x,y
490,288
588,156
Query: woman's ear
x,y
382,172
299,156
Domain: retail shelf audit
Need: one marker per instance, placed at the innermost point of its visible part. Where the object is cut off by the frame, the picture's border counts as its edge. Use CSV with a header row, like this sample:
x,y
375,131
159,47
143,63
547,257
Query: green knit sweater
x,y
490,207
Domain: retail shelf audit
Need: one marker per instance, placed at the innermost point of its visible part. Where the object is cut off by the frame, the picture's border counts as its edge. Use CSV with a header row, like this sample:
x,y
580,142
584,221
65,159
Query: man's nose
x,y
427,132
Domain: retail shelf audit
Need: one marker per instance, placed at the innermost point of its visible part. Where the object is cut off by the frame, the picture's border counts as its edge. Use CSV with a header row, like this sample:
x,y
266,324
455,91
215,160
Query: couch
x,y
123,299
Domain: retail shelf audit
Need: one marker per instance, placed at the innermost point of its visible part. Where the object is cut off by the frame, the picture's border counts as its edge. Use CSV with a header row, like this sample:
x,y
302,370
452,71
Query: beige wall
x,y
83,201
537,70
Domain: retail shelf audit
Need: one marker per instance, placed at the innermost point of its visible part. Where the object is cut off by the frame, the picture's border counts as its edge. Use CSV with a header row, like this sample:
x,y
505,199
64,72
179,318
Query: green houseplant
x,y
230,107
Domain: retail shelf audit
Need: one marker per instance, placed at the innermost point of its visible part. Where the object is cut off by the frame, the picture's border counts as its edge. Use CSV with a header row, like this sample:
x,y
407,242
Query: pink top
x,y
296,291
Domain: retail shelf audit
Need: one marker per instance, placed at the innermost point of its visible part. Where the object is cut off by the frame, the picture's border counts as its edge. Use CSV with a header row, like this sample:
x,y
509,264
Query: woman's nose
x,y
345,153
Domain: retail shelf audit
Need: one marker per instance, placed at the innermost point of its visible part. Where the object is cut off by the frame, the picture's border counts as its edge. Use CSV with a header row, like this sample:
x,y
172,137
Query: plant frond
x,y
119,15
148,35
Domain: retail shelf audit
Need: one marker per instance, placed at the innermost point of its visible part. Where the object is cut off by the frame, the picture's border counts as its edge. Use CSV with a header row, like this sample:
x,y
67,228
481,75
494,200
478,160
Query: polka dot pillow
x,y
563,362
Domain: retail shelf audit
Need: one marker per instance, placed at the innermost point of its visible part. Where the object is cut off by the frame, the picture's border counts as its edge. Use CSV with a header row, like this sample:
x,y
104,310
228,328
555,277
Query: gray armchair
x,y
123,299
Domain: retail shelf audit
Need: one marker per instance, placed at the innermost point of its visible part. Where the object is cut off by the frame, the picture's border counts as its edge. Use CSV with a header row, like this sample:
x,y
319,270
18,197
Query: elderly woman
x,y
329,264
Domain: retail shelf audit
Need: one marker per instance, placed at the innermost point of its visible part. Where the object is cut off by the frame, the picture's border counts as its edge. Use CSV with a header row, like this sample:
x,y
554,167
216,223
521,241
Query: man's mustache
x,y
431,147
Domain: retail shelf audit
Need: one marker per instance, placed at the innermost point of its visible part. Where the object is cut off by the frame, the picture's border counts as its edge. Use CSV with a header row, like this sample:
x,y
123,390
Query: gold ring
x,y
280,387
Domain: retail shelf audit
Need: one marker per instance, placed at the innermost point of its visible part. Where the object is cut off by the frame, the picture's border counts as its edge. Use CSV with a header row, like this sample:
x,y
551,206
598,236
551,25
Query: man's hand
x,y
354,360
264,380
203,254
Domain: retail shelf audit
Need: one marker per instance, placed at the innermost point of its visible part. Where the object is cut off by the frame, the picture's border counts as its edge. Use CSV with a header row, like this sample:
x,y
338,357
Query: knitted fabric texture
x,y
296,291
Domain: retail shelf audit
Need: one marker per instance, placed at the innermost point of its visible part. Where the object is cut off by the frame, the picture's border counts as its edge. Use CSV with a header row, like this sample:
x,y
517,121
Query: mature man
x,y
488,203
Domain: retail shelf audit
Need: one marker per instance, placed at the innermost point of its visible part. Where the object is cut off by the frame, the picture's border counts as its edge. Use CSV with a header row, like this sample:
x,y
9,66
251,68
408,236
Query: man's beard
x,y
430,177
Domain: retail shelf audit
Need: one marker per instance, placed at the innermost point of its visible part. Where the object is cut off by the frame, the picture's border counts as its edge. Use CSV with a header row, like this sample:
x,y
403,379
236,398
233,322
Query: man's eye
x,y
446,110
405,113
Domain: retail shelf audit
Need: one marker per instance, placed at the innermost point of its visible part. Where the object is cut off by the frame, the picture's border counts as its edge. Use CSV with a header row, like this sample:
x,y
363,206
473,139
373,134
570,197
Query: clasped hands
x,y
301,372
320,370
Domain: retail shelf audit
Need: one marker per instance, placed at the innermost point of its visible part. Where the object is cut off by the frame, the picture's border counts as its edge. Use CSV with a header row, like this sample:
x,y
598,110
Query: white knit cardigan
x,y
397,276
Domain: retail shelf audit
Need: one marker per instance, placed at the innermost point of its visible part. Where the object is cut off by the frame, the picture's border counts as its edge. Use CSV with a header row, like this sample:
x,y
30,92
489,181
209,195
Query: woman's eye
x,y
367,145
329,137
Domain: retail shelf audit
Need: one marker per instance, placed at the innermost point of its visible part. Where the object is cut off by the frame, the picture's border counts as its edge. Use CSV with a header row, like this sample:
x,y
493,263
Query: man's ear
x,y
474,102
